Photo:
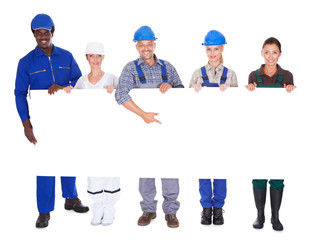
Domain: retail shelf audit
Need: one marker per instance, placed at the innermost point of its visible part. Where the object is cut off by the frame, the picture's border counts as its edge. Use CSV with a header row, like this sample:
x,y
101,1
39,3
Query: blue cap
x,y
42,21
213,38
144,33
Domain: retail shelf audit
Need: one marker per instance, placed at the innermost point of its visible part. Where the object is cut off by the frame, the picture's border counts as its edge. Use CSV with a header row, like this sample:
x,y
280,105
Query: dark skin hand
x,y
28,132
54,88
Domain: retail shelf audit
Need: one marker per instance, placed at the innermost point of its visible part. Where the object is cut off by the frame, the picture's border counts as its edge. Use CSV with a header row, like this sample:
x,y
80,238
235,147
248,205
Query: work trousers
x,y
212,196
46,192
170,191
276,184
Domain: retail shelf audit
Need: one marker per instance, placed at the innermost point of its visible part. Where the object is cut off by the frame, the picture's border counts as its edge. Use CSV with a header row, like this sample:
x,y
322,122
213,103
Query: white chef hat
x,y
95,48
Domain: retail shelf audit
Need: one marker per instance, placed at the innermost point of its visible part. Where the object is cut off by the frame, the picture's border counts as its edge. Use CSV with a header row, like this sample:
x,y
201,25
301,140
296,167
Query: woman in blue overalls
x,y
213,74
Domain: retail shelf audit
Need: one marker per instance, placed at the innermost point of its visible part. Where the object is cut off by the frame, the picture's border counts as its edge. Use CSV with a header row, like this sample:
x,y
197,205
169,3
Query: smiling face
x,y
95,60
271,54
44,39
214,54
146,49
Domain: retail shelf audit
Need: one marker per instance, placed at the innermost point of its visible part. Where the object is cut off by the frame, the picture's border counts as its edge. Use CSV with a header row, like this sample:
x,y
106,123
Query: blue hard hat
x,y
144,33
42,21
214,37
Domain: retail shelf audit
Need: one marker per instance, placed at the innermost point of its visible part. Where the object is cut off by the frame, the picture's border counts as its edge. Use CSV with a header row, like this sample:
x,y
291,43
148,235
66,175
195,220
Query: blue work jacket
x,y
38,71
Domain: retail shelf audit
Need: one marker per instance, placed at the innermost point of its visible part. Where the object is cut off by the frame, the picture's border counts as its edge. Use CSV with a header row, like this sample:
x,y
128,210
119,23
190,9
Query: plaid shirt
x,y
129,78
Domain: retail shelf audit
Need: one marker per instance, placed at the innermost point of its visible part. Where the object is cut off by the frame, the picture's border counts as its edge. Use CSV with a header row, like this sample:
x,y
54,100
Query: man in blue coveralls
x,y
46,67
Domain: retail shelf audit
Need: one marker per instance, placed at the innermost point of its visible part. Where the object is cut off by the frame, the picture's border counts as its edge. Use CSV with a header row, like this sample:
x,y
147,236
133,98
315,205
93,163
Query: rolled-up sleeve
x,y
125,85
21,91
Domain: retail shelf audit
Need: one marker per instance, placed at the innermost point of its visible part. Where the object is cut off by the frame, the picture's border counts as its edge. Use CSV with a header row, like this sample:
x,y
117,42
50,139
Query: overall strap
x,y
280,77
204,74
205,79
224,75
142,76
140,73
164,73
278,83
259,79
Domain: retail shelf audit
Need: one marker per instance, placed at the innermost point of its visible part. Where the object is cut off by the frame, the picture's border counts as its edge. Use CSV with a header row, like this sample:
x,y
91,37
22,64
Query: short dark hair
x,y
52,30
272,40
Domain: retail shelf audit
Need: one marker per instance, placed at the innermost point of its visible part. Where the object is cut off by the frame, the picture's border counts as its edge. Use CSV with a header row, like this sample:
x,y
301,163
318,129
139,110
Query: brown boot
x,y
43,220
146,218
172,220
76,205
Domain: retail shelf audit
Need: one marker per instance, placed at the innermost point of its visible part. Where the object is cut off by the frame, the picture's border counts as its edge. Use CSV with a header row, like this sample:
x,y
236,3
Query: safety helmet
x,y
144,33
42,21
214,37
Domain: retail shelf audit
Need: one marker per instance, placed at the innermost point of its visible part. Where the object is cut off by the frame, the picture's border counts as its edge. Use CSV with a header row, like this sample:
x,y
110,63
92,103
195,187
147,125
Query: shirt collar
x,y
261,70
209,67
39,52
141,61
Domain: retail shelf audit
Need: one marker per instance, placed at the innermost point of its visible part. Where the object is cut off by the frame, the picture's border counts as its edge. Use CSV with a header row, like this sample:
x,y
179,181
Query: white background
x,y
265,134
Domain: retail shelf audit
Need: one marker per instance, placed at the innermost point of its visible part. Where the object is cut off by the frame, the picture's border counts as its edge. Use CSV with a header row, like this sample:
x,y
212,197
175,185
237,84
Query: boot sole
x,y
258,227
203,223
75,210
145,224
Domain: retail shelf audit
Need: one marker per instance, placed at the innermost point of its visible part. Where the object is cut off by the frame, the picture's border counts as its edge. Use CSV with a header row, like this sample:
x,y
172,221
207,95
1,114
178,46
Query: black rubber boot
x,y
217,216
260,200
206,216
276,198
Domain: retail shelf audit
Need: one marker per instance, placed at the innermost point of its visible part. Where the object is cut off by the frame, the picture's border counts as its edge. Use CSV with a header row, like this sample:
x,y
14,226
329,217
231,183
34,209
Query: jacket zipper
x,y
52,69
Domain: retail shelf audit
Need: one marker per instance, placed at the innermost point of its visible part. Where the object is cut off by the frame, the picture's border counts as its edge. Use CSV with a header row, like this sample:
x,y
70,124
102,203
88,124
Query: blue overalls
x,y
142,76
205,79
212,197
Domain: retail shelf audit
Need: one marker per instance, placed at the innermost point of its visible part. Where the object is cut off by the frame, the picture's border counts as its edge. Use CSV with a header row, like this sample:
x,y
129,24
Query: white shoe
x,y
98,212
108,216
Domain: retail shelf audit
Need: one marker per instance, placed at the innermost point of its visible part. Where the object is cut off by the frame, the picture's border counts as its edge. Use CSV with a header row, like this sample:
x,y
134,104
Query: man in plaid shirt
x,y
145,72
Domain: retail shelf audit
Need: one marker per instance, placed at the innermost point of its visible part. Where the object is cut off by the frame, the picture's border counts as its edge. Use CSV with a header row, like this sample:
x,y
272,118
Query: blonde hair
x,y
221,59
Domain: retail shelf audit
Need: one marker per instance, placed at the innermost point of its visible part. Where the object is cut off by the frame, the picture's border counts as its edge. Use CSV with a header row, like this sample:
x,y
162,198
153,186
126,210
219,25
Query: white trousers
x,y
105,192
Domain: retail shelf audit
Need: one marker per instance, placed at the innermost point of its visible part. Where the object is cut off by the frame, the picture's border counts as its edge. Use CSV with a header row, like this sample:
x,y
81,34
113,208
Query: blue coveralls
x,y
38,71
46,191
212,197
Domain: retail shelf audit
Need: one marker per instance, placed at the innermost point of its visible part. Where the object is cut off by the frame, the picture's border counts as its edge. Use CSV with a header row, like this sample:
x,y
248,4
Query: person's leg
x,y
276,192
220,193
68,187
259,192
206,193
69,192
96,193
148,204
45,199
170,191
112,194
